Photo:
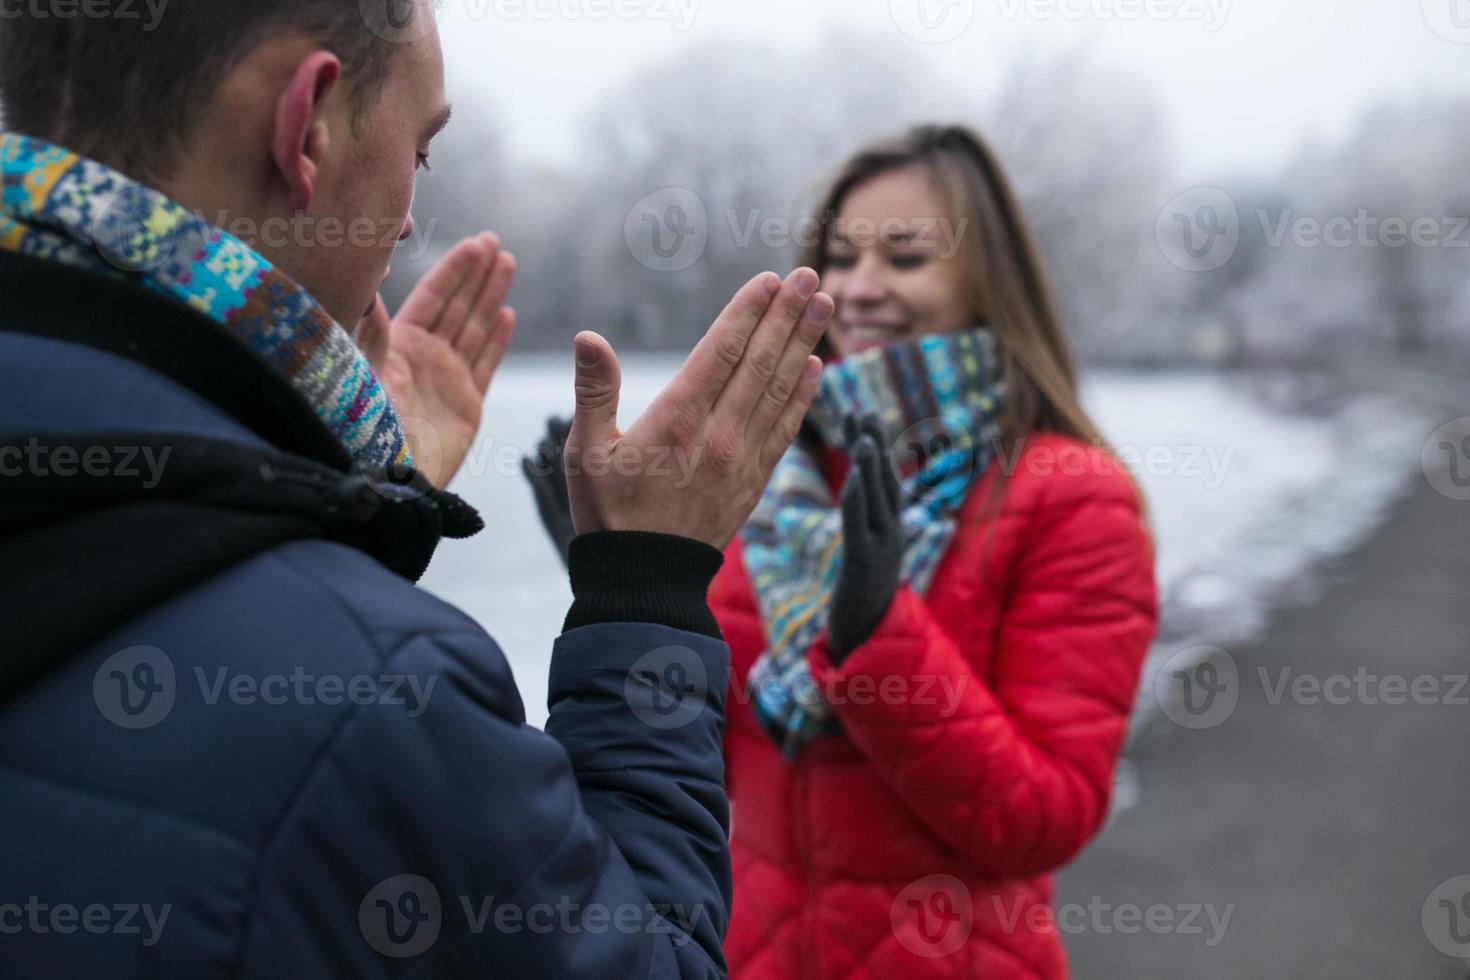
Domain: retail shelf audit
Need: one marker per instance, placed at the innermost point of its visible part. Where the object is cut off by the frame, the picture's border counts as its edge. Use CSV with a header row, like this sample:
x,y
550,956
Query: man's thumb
x,y
599,380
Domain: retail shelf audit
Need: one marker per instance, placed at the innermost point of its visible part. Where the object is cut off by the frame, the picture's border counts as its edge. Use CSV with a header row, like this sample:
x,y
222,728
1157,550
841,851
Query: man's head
x,y
296,124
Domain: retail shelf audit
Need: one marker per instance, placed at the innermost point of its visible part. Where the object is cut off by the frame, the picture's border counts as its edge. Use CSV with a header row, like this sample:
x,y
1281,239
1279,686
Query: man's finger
x,y
428,300
788,426
757,371
488,361
719,352
460,304
789,371
494,291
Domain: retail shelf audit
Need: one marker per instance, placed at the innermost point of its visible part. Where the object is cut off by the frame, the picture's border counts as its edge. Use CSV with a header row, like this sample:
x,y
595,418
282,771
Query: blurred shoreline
x,y
1286,811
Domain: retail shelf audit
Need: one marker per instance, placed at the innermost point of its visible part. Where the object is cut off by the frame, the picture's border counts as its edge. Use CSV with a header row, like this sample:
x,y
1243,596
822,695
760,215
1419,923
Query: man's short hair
x,y
115,89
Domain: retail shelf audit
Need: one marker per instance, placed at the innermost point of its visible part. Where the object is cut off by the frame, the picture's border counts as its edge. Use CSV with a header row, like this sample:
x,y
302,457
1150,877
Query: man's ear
x,y
301,134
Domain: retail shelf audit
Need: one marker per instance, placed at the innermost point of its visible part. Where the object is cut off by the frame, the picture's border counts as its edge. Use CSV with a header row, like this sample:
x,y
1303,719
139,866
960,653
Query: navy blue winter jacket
x,y
299,764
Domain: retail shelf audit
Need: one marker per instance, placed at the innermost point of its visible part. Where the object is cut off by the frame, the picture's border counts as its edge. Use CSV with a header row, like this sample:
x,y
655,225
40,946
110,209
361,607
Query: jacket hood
x,y
98,526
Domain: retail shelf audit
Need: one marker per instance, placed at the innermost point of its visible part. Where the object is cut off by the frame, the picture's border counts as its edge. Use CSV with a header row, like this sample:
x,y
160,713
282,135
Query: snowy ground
x,y
1244,500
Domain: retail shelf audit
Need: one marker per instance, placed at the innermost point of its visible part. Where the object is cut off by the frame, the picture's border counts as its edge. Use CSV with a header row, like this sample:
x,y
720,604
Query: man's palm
x,y
437,356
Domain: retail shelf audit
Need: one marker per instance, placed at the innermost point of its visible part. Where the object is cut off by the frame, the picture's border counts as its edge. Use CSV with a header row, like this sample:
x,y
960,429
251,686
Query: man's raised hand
x,y
437,356
696,462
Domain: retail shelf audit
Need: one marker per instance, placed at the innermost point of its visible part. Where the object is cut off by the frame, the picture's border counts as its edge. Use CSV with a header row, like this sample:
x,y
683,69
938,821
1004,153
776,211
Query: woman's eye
x,y
908,261
841,261
423,163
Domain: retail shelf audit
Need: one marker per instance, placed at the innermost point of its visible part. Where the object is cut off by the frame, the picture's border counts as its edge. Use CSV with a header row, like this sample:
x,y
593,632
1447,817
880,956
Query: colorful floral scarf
x,y
57,205
939,400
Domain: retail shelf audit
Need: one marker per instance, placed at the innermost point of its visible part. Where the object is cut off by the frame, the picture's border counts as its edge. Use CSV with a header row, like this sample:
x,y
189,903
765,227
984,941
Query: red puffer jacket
x,y
980,729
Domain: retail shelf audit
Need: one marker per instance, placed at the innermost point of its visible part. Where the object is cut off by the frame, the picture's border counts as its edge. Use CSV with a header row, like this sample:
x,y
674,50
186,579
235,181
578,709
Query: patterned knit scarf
x,y
939,401
57,205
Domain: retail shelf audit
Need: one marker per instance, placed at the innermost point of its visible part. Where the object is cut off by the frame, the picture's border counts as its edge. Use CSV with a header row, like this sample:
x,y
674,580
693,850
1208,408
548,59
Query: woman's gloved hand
x,y
548,478
872,540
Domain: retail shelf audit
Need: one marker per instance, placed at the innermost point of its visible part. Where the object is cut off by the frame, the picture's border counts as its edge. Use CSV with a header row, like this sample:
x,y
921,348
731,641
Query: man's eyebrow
x,y
437,124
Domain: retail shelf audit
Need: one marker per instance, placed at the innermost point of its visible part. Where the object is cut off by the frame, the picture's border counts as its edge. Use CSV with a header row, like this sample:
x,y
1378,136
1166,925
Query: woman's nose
x,y
865,283
407,231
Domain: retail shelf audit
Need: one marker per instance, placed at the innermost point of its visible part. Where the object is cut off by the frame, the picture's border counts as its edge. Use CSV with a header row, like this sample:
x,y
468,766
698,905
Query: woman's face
x,y
893,264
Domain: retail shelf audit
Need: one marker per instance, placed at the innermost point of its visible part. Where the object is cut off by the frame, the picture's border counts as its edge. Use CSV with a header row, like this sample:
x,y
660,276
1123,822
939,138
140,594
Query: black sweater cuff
x,y
641,577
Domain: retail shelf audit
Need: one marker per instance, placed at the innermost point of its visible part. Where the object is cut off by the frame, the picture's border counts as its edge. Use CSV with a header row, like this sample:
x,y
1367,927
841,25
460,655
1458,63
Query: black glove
x,y
548,479
872,540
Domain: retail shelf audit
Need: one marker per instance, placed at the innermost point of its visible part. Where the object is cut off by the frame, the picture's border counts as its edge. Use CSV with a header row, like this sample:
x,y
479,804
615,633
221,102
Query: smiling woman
x,y
923,234
879,823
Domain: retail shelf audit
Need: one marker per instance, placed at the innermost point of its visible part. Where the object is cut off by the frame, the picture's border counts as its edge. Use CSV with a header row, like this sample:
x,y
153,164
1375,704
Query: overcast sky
x,y
1244,82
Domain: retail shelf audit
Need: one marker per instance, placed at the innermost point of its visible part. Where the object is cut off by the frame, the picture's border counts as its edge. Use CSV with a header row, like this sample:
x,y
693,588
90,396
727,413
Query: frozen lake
x,y
1243,499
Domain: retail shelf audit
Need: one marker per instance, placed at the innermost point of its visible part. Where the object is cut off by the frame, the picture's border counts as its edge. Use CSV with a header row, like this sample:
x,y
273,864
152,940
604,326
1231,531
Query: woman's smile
x,y
863,334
